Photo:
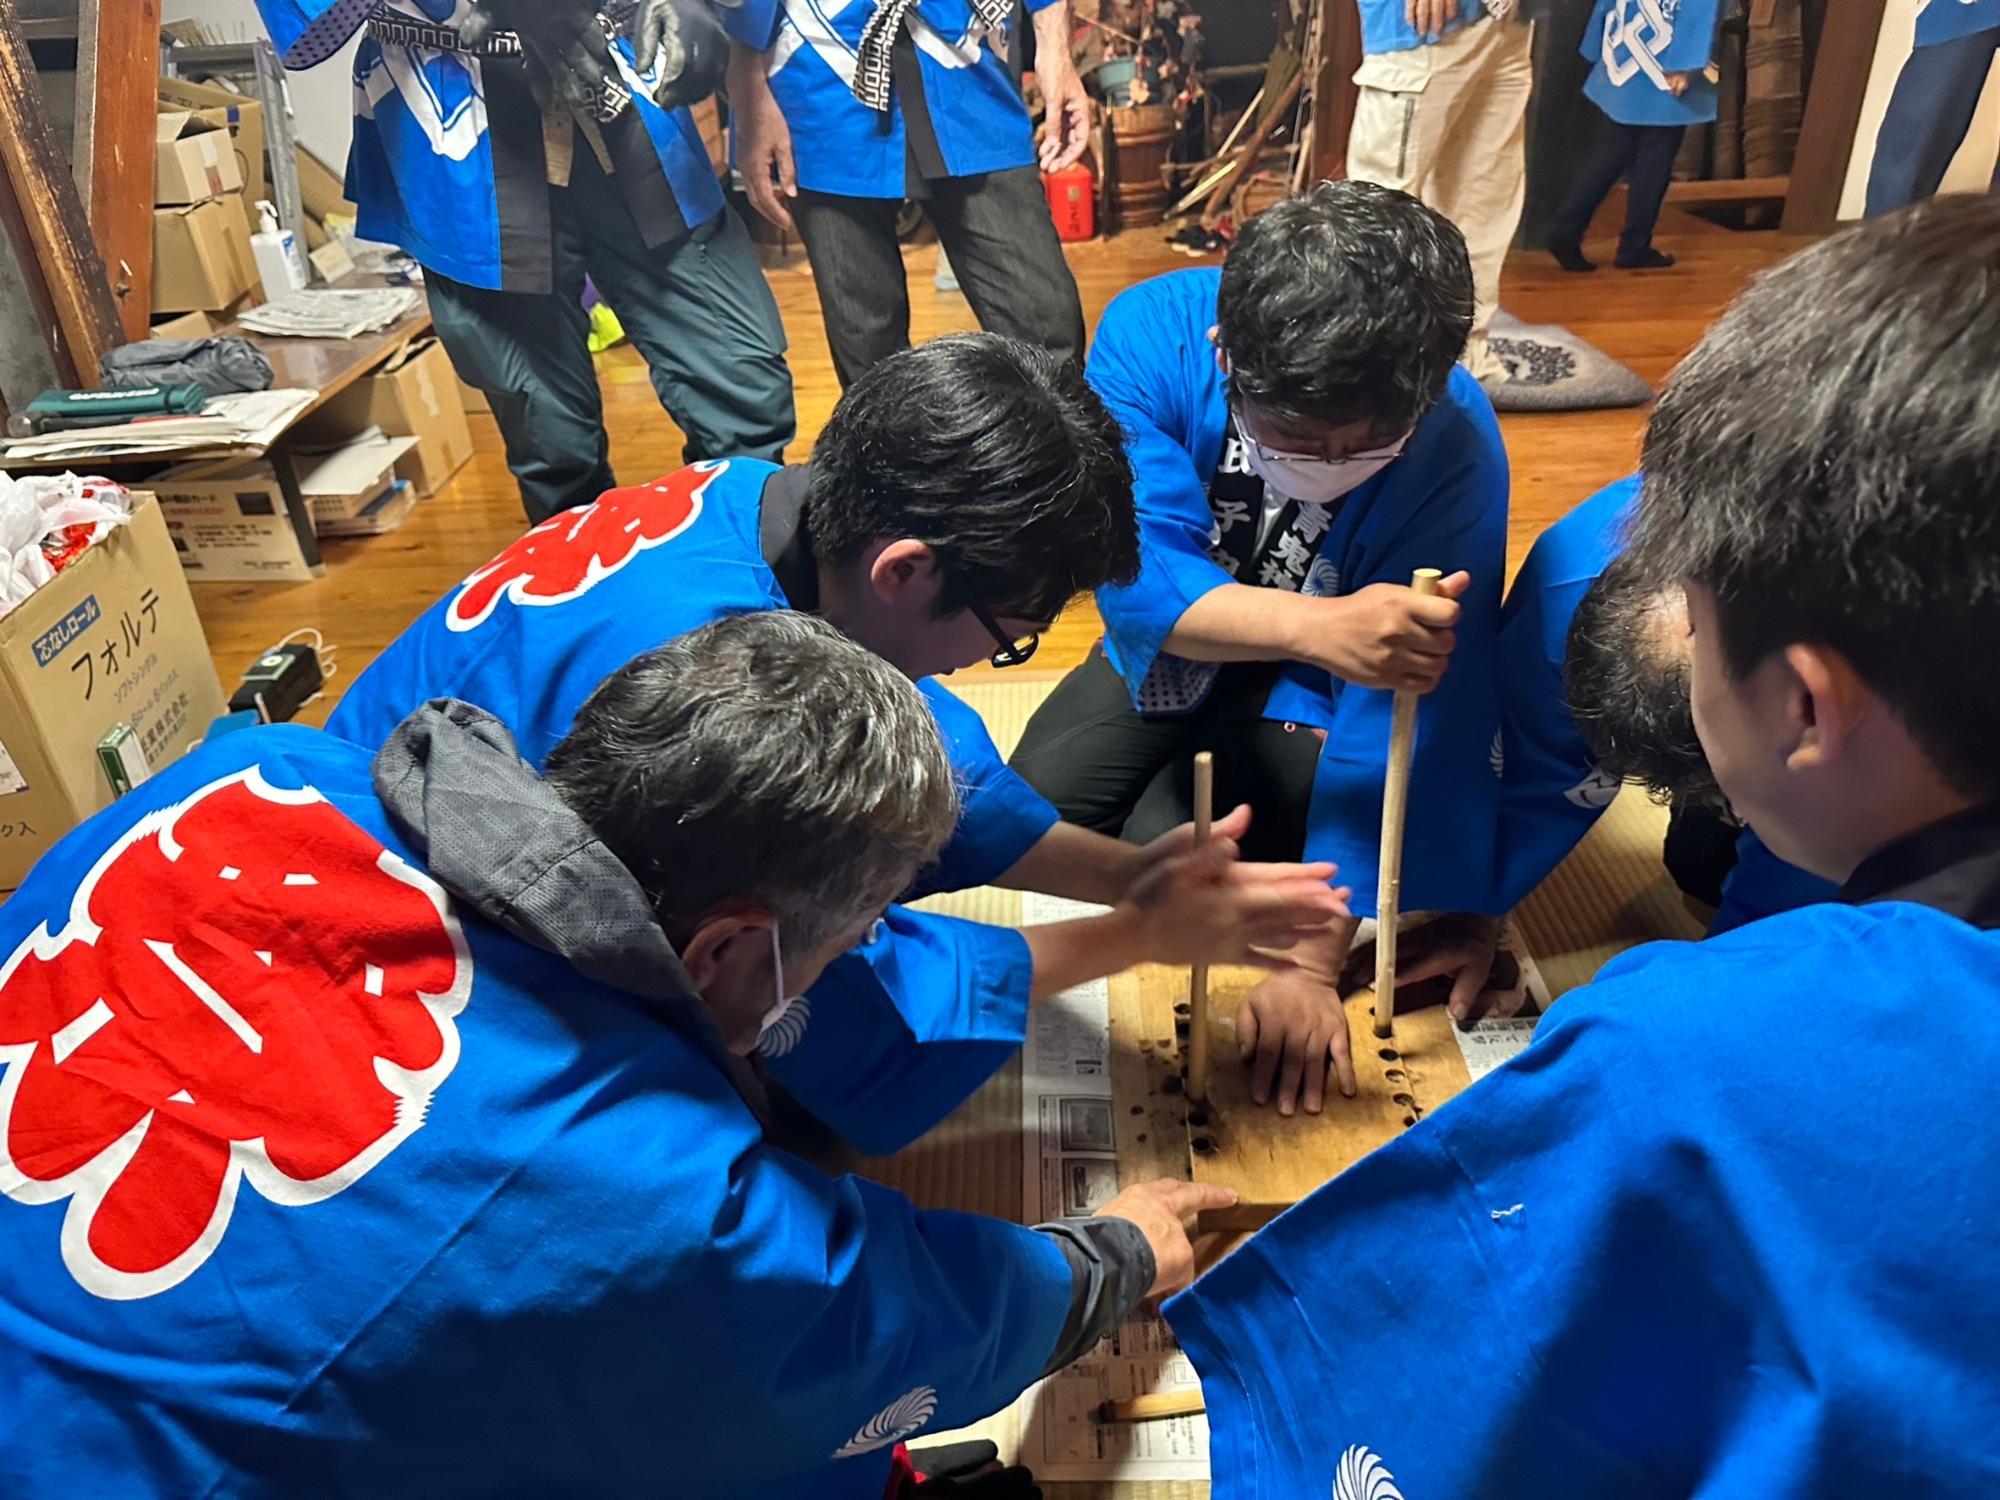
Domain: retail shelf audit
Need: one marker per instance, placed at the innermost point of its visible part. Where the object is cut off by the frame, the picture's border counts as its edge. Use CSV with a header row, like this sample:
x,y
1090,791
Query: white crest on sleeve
x,y
1363,1476
1496,754
1595,790
893,1423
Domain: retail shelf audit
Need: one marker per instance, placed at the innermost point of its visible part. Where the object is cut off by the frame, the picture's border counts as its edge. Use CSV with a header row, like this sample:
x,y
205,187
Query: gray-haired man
x,y
471,1036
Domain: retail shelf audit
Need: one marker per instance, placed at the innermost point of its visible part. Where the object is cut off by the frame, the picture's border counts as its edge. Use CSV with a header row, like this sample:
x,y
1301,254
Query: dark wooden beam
x,y
117,64
1833,114
44,195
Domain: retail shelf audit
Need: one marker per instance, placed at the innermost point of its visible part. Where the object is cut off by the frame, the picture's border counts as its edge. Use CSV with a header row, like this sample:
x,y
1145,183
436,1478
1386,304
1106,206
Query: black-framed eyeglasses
x,y
1012,652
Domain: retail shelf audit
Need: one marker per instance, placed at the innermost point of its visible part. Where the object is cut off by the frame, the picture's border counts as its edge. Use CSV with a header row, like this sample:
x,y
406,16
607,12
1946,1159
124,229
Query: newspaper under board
x,y
1069,1136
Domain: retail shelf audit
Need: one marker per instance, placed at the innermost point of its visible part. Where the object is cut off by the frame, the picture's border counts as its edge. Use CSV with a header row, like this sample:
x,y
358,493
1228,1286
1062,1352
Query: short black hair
x,y
993,453
1627,688
1826,464
1348,304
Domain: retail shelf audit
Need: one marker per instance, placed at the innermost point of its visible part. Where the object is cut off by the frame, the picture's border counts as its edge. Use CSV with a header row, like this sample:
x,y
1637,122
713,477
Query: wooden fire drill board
x,y
1272,1161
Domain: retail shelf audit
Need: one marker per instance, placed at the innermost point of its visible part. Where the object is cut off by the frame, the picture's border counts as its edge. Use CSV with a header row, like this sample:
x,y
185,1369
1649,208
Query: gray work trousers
x,y
699,310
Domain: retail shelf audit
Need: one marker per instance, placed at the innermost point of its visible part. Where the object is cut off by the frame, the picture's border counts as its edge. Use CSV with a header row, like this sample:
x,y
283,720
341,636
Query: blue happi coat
x,y
1948,20
931,1005
844,147
313,1182
423,168
1442,504
1551,788
1655,1255
1386,26
1634,44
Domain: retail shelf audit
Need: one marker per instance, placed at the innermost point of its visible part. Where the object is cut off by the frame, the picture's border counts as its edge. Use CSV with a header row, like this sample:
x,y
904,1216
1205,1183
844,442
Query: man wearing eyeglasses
x,y
961,495
1302,440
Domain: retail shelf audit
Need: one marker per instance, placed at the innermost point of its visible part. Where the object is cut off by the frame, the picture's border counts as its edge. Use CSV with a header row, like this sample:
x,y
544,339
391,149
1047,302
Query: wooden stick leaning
x,y
1395,813
1204,815
1151,1407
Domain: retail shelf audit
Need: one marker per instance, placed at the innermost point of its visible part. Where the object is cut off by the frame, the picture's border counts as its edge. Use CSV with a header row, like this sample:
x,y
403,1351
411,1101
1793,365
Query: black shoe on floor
x,y
1647,259
1570,257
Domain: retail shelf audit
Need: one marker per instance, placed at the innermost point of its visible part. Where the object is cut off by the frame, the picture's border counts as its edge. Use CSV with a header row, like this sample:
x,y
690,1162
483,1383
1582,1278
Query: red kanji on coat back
x,y
248,986
574,549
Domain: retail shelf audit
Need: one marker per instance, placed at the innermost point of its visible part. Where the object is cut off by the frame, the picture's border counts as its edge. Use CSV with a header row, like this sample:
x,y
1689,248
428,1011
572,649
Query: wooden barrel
x,y
1142,135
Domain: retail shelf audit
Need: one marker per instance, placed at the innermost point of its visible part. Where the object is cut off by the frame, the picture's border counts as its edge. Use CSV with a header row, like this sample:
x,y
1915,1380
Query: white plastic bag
x,y
35,506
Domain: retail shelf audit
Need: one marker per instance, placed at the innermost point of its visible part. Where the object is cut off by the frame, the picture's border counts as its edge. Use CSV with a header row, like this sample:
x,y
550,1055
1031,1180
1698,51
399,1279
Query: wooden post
x,y
43,195
1204,815
1395,812
118,70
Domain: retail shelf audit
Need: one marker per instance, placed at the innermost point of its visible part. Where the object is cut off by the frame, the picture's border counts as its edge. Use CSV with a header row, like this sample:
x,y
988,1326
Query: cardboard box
x,y
473,399
201,257
236,526
414,395
194,158
245,119
112,639
193,325
340,483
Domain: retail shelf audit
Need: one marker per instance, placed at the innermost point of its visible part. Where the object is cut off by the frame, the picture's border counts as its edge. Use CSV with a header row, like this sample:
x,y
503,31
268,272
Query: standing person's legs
x,y
529,352
1609,159
1414,129
1936,96
1003,246
864,296
1652,169
1480,178
702,314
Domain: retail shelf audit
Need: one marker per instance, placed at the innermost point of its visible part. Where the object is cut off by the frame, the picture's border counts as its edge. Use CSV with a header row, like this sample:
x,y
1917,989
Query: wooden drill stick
x,y
1151,1407
1395,812
1204,815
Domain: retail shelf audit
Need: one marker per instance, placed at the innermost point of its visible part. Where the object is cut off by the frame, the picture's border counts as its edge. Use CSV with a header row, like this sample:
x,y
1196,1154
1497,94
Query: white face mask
x,y
1315,481
783,1002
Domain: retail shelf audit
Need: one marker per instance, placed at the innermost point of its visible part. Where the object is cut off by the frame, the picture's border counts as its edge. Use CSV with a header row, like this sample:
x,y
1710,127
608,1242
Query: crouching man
x,y
377,1124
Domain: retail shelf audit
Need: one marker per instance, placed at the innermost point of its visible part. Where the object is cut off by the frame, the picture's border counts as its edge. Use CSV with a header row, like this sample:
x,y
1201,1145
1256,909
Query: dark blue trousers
x,y
1936,95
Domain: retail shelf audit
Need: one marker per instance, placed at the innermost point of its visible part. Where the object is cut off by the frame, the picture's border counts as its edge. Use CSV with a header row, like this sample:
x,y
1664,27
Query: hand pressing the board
x,y
1163,1209
1291,1033
1464,948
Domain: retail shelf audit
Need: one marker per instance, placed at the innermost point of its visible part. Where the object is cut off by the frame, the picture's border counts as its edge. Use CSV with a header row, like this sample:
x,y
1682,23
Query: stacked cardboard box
x,y
201,228
414,394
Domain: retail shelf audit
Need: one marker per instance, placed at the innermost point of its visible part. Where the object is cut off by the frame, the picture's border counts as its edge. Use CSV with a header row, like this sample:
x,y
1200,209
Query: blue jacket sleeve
x,y
1154,369
1002,817
306,32
899,1032
1447,510
754,23
836,1320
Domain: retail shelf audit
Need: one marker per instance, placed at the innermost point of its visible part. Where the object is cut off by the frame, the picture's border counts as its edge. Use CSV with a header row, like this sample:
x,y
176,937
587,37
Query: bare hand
x,y
763,139
1388,635
1204,906
1677,83
1463,946
1430,17
1289,1029
1162,1209
1066,130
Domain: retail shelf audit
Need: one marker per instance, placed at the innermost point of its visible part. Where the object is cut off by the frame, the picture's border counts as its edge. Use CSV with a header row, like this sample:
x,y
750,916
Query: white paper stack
x,y
322,314
249,419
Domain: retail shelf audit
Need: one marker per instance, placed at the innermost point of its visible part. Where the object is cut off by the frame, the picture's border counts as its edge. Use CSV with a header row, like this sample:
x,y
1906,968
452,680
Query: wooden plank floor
x,y
375,586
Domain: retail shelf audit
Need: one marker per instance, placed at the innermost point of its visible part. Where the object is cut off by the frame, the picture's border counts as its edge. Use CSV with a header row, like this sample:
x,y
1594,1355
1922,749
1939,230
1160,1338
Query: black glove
x,y
689,44
562,41
969,1471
